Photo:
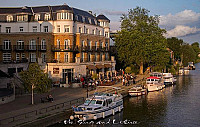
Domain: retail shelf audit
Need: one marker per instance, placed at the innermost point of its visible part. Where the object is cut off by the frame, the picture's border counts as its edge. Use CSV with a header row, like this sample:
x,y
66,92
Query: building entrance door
x,y
67,76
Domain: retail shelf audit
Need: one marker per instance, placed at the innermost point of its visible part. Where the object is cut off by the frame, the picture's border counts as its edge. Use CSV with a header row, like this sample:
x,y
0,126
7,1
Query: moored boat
x,y
154,84
137,91
100,105
169,79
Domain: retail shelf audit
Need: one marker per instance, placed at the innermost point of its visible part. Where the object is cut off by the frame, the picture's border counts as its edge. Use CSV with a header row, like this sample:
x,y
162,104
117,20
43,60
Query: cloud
x,y
181,30
181,18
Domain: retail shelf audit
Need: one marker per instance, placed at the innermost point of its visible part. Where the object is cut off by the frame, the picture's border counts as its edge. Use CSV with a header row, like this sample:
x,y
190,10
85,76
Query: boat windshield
x,y
87,101
99,102
90,101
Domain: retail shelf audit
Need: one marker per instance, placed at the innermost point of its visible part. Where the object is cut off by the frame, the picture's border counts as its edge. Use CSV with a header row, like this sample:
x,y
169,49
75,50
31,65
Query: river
x,y
174,106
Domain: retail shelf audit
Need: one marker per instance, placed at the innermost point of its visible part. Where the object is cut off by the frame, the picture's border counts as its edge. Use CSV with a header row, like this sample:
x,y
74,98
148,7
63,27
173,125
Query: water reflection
x,y
174,106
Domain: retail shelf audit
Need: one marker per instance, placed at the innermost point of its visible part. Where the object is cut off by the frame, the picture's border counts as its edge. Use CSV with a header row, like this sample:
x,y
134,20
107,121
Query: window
x,y
8,29
93,32
87,31
43,55
106,56
32,45
82,57
55,70
95,56
83,43
6,57
45,28
32,57
80,30
34,28
21,29
96,45
43,44
58,28
9,18
83,18
106,34
23,56
101,55
7,45
47,17
20,45
22,18
64,15
89,19
66,29
89,56
67,44
37,17
66,57
90,44
58,44
17,56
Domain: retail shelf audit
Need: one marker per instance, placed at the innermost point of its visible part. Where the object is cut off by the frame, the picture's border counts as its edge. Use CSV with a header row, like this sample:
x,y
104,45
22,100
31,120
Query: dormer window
x,y
95,21
76,17
22,18
89,19
83,18
9,18
47,17
64,15
37,17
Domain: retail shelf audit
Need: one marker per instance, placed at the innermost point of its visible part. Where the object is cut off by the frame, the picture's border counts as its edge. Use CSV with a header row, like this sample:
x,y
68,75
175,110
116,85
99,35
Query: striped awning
x,y
91,67
107,66
99,66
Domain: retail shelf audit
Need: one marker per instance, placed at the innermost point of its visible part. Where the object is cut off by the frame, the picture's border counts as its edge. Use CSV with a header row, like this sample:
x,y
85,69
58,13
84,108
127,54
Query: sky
x,y
181,18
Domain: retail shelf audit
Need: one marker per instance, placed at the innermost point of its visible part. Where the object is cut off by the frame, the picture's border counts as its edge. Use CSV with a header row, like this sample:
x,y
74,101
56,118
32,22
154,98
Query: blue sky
x,y
181,18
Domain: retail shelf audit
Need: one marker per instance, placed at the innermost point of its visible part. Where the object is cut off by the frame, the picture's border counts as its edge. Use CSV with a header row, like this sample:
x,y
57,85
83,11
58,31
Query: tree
x,y
34,79
175,45
188,54
141,40
195,47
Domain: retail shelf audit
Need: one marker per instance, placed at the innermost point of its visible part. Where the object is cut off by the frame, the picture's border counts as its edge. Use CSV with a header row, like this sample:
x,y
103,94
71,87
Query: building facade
x,y
68,42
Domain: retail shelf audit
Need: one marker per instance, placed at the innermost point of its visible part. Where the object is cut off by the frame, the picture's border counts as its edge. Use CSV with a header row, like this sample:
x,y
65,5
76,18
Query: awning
x,y
107,66
91,67
99,66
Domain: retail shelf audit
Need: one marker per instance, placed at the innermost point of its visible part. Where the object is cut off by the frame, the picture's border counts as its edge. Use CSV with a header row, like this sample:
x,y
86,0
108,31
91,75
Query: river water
x,y
174,106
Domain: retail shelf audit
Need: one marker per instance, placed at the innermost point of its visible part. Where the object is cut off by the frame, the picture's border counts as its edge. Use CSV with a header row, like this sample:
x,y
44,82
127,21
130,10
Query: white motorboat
x,y
154,84
99,105
169,79
137,91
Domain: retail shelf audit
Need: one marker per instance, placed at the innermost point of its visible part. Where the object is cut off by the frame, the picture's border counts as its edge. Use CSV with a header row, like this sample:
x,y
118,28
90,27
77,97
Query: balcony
x,y
14,61
64,48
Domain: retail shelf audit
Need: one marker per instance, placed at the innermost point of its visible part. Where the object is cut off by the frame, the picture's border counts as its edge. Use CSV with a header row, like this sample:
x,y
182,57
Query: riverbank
x,y
20,111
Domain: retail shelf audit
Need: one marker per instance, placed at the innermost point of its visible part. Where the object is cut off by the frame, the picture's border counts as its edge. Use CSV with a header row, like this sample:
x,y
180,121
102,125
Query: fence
x,y
42,111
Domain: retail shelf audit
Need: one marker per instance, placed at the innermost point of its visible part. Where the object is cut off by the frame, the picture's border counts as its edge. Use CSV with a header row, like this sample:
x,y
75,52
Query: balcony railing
x,y
14,61
62,48
93,49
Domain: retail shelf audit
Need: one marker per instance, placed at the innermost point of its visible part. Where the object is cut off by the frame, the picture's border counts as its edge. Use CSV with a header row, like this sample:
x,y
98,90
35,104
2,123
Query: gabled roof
x,y
102,17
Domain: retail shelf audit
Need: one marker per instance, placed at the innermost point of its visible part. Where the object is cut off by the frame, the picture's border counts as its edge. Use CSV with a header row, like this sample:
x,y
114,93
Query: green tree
x,y
34,79
195,47
188,54
141,40
175,45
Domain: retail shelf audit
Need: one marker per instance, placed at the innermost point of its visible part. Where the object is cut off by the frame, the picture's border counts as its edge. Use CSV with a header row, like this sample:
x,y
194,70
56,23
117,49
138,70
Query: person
x,y
50,97
123,81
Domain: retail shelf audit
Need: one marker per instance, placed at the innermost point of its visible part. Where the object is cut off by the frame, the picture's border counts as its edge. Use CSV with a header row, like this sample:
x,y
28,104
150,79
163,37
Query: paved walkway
x,y
22,104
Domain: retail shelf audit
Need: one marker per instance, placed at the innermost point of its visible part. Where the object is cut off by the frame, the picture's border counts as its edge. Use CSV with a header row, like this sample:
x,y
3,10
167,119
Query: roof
x,y
61,7
41,9
14,10
102,17
153,77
